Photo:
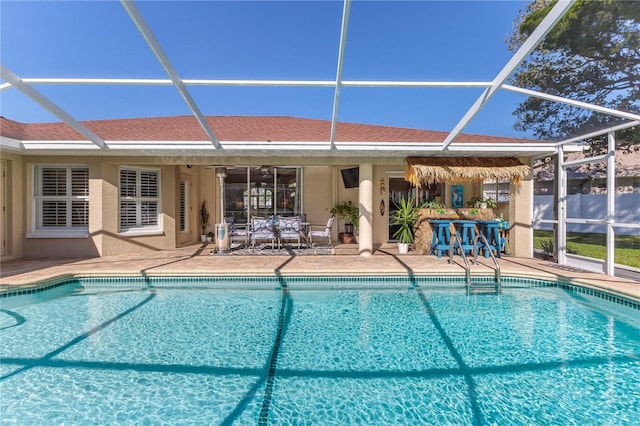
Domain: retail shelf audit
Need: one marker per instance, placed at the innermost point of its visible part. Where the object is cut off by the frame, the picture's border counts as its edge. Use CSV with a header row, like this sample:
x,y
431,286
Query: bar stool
x,y
441,236
467,231
504,237
491,231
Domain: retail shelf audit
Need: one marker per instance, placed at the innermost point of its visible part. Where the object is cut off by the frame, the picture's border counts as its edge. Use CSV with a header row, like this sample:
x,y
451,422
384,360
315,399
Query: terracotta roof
x,y
233,128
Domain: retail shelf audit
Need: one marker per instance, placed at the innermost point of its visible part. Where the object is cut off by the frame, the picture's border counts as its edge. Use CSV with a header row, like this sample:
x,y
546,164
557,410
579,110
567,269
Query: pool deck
x,y
197,260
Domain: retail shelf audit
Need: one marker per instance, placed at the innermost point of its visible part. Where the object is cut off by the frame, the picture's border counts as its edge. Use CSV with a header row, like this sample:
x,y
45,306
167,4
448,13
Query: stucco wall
x,y
521,232
319,195
35,246
113,242
323,188
193,222
103,237
15,212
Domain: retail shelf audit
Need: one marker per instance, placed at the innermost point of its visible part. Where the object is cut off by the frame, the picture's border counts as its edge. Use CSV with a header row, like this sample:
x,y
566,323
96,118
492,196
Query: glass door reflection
x,y
262,191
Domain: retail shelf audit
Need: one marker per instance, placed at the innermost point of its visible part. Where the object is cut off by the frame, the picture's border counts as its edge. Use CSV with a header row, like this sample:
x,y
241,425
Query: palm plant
x,y
405,218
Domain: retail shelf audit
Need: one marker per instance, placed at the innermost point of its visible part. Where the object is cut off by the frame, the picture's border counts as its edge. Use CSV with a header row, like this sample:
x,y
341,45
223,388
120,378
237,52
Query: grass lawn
x,y
627,248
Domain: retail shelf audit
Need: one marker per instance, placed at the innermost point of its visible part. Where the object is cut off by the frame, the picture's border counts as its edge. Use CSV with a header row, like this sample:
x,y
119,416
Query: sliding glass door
x,y
262,191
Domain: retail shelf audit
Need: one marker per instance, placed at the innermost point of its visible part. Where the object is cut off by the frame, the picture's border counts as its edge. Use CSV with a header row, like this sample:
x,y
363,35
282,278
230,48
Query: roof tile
x,y
234,128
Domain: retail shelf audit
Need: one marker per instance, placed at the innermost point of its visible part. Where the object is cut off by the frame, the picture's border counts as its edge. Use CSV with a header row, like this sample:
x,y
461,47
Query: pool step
x,y
483,288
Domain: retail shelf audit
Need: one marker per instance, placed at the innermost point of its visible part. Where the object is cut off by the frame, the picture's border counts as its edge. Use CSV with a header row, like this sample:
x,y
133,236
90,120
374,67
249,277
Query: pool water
x,y
305,356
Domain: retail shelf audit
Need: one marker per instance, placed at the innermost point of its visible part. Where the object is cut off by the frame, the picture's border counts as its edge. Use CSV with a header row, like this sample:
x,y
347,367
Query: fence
x,y
590,206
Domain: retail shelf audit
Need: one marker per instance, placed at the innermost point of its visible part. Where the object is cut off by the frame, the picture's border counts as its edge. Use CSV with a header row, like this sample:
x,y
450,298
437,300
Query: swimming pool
x,y
330,351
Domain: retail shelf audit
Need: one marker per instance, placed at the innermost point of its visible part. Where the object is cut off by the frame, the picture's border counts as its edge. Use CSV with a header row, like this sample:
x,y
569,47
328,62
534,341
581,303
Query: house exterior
x,y
592,179
140,184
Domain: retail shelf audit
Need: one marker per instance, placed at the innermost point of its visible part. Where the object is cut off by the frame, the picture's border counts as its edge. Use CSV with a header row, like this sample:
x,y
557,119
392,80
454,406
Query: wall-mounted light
x,y
382,188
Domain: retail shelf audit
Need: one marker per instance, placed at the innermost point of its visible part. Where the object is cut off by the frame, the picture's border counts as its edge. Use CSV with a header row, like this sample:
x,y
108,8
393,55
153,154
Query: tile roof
x,y
234,128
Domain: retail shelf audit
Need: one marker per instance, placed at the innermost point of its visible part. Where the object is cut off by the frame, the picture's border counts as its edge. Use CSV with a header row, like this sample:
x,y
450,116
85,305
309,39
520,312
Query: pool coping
x,y
575,286
195,261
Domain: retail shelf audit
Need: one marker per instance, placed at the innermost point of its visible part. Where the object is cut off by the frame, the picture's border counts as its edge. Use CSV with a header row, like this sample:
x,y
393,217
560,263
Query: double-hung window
x,y
139,200
61,200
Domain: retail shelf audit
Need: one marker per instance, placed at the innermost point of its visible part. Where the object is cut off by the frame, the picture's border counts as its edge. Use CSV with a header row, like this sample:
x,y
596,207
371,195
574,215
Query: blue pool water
x,y
316,355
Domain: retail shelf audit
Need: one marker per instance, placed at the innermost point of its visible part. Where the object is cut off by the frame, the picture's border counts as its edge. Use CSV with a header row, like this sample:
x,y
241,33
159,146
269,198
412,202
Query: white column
x,y
561,188
611,204
520,214
221,174
365,203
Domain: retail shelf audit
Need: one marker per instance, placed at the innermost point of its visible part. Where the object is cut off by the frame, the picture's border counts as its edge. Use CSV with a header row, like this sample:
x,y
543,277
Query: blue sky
x,y
292,40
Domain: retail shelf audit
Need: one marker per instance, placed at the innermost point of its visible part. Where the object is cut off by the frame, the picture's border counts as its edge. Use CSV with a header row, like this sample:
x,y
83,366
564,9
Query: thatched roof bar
x,y
423,171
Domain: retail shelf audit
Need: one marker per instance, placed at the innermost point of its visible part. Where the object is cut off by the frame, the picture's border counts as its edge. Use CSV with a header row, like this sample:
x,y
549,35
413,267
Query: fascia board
x,y
60,145
504,147
205,147
10,144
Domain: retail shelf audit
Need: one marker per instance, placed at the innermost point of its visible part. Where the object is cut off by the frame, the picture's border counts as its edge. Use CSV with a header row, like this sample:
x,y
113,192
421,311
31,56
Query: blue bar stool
x,y
504,237
491,231
441,236
467,231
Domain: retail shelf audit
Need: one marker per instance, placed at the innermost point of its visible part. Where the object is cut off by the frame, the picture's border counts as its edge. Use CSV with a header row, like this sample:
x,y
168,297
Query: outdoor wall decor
x,y
457,196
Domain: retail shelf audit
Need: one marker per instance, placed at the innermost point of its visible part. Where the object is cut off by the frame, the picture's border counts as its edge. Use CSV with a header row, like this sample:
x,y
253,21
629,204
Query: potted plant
x,y
349,214
204,221
480,202
433,204
209,236
405,218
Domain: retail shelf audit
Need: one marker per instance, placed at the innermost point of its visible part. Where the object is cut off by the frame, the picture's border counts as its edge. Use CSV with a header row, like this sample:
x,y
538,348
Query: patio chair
x,y
289,229
238,230
262,229
321,231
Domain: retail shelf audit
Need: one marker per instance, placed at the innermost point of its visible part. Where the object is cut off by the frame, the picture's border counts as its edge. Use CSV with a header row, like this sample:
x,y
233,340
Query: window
x,y
184,206
139,200
261,198
496,189
61,199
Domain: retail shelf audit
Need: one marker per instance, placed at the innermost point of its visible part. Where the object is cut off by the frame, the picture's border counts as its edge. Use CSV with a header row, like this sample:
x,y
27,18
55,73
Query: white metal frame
x,y
25,86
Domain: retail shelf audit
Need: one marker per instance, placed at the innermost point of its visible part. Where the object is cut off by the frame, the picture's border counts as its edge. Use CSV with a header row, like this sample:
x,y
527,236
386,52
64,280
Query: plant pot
x,y
203,238
345,238
209,239
403,248
348,228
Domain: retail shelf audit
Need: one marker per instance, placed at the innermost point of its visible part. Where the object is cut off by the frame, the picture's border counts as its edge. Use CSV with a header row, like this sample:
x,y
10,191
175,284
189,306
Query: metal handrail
x,y
467,268
493,257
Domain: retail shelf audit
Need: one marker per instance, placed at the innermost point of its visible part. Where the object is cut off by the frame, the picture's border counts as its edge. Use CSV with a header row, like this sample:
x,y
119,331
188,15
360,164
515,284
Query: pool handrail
x,y
480,236
467,268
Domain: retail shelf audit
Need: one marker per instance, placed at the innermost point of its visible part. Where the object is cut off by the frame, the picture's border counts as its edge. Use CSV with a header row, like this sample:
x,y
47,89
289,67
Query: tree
x,y
592,55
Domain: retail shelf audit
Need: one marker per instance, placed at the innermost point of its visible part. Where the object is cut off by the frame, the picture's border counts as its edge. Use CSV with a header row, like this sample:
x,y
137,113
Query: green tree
x,y
592,55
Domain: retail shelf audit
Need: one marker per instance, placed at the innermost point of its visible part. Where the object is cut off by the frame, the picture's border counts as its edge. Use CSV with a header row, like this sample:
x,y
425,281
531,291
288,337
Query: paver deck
x,y
197,260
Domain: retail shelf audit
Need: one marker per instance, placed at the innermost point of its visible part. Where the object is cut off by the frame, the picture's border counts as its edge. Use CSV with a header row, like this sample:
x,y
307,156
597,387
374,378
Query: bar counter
x,y
424,229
